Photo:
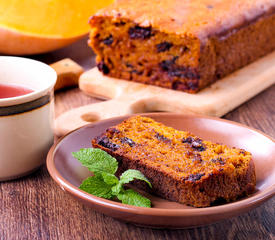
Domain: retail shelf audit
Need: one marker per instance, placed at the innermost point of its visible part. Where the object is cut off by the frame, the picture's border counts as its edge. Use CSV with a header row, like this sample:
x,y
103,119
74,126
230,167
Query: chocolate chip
x,y
137,72
165,64
198,140
168,64
195,177
200,148
175,73
108,41
113,130
103,67
183,49
128,65
162,138
185,86
148,73
117,24
138,32
174,70
218,160
183,72
187,140
196,144
105,142
242,151
129,141
163,46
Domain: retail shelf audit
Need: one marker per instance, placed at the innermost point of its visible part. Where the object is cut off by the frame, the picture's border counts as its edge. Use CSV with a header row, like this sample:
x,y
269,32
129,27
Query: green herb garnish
x,y
104,183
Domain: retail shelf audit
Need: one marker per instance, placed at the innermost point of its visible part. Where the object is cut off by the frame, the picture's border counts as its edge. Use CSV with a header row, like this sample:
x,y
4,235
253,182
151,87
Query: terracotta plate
x,y
68,173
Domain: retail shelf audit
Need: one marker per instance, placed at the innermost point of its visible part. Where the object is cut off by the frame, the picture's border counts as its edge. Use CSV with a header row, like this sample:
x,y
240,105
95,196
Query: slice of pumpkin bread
x,y
180,166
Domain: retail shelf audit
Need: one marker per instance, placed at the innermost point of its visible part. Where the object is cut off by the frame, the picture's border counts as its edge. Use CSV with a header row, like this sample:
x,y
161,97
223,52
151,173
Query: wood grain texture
x,y
34,207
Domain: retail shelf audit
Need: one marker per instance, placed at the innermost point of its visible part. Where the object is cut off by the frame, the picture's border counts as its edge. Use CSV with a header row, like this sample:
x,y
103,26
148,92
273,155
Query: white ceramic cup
x,y
26,122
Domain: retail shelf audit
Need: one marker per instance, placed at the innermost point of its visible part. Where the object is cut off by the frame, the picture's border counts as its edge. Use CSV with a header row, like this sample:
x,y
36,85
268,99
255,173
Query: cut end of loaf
x,y
144,54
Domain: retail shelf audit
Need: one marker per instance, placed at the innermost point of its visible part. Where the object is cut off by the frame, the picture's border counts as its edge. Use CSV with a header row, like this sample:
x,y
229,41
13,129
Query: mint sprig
x,y
96,160
104,183
96,186
133,198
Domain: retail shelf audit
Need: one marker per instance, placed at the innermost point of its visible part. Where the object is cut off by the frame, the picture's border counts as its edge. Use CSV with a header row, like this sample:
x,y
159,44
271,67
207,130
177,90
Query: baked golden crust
x,y
179,44
200,18
180,166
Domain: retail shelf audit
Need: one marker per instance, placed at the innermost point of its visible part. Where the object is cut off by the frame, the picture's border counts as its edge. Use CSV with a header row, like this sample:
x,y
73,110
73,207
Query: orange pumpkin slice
x,y
38,26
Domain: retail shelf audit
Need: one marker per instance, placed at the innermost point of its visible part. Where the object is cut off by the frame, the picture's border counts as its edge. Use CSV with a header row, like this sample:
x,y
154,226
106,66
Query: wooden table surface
x,y
34,207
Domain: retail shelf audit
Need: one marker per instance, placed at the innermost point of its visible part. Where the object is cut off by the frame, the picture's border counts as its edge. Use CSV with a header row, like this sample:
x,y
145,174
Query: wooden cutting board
x,y
126,97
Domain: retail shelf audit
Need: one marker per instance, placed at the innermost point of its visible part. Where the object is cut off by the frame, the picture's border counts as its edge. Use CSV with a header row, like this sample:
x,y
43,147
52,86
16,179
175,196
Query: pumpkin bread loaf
x,y
181,44
180,166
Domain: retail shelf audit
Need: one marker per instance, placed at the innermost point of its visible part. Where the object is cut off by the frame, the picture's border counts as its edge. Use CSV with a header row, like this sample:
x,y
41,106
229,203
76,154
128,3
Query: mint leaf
x,y
133,198
96,160
96,186
132,174
110,179
104,183
117,188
